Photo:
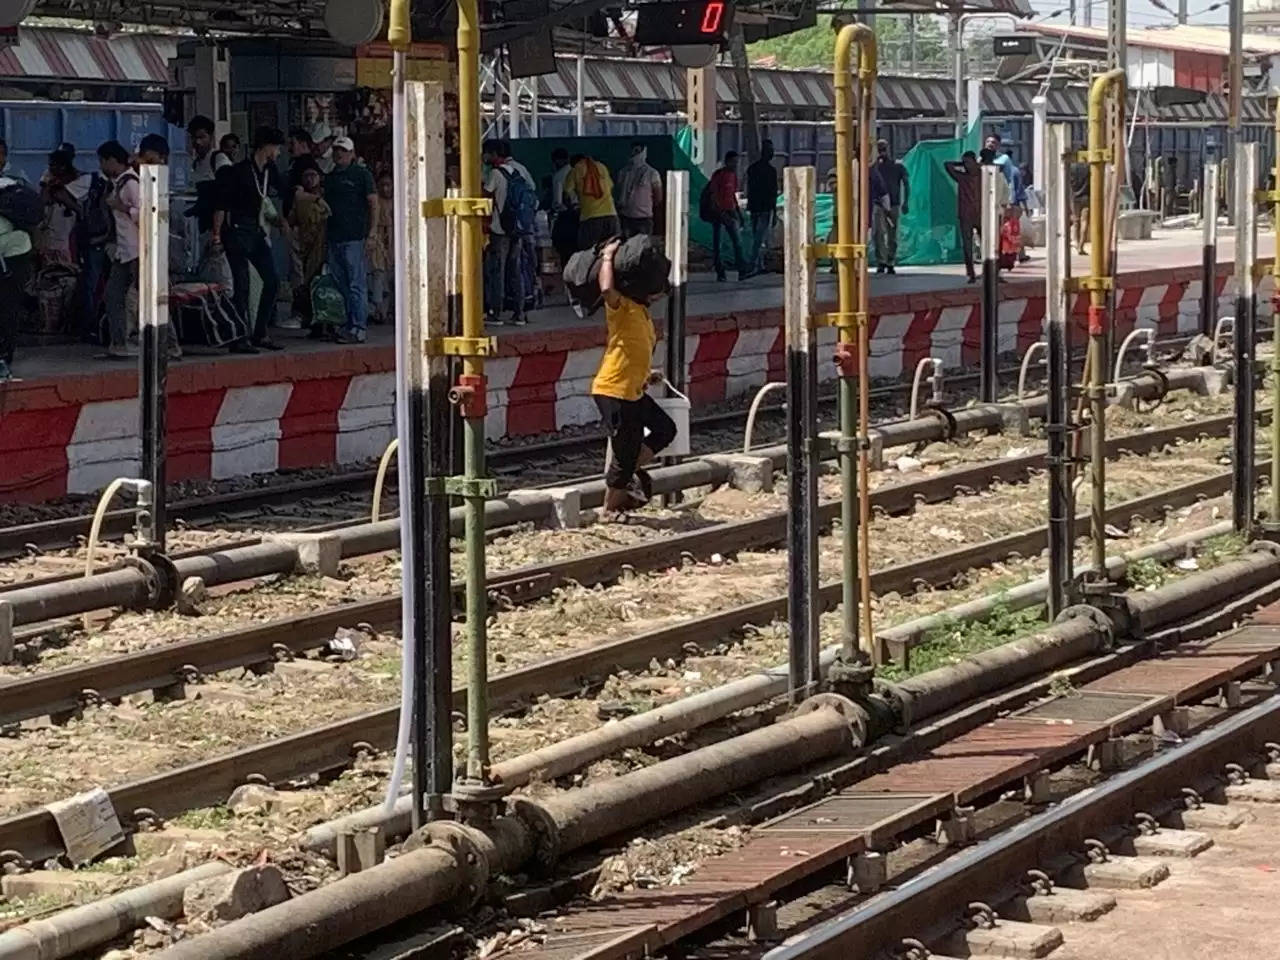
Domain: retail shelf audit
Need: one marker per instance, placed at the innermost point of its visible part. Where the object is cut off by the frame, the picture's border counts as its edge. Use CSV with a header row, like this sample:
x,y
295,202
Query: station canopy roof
x,y
566,17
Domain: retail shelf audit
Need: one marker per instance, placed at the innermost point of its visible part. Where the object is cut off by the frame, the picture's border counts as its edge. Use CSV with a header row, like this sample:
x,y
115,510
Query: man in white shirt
x,y
502,271
125,202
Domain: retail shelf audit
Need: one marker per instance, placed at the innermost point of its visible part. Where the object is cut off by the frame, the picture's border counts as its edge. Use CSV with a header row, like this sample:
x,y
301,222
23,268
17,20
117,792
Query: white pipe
x,y
1220,330
1026,365
381,480
408,631
755,408
1148,332
915,383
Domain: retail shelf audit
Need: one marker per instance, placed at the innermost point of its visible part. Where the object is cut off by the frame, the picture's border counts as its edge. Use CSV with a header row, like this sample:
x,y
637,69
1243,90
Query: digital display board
x,y
673,24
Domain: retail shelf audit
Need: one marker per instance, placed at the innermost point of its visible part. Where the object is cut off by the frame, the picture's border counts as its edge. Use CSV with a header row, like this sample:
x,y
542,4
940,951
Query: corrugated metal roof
x,y
1184,37
73,55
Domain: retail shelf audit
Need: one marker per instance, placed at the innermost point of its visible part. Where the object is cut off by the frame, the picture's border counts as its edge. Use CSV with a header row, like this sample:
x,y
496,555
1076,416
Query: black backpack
x,y
640,269
22,207
97,226
707,211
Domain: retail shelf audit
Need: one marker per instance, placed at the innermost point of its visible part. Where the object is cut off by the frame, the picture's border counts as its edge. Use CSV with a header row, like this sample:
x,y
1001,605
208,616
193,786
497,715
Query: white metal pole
x,y
580,106
153,336
1057,313
989,333
1242,454
957,57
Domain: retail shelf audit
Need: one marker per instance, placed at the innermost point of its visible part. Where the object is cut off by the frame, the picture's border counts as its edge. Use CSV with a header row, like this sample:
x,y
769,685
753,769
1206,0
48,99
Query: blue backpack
x,y
519,208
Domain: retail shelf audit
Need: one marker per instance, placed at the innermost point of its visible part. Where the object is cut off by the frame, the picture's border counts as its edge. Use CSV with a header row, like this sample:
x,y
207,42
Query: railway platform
x,y
69,423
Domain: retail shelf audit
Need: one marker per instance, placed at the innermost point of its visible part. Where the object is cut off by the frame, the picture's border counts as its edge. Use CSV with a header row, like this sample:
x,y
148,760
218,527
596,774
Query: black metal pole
x,y
989,377
1242,465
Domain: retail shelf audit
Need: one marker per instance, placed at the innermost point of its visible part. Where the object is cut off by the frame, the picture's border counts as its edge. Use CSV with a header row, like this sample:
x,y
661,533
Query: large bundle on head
x,y
640,272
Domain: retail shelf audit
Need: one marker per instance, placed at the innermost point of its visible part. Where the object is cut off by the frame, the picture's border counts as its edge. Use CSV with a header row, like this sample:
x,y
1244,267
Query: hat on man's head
x,y
344,143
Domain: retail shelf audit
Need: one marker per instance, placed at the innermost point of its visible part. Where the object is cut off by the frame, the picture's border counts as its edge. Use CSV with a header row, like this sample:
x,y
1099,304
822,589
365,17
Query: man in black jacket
x,y
762,202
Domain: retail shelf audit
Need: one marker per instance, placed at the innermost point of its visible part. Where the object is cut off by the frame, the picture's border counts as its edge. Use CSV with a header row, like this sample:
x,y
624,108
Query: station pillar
x,y
702,111
213,86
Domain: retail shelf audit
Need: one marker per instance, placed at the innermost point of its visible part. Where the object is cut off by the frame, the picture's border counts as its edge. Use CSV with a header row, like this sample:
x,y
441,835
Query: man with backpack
x,y
718,206
353,202
125,202
515,205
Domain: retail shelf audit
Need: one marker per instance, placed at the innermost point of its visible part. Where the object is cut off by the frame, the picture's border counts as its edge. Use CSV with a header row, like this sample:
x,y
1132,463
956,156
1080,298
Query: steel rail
x,y
917,905
334,746
62,691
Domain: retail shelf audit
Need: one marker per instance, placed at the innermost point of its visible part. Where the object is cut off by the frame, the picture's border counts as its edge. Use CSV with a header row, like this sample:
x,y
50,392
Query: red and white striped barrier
x,y
72,435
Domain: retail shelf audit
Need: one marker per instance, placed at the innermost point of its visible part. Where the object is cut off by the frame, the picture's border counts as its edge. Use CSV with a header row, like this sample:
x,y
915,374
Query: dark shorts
x,y
631,424
597,229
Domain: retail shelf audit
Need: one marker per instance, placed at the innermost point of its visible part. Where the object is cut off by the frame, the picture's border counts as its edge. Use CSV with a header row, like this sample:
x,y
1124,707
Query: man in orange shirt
x,y
726,216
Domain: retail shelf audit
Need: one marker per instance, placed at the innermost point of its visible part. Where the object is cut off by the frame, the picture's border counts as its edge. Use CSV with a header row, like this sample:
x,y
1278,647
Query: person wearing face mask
x,y
639,193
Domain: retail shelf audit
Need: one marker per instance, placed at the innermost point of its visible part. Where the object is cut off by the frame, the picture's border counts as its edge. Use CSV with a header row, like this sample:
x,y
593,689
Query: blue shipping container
x,y
33,128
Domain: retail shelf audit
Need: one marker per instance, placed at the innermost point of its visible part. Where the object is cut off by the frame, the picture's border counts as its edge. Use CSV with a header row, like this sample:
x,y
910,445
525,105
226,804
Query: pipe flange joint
x,y
853,714
1106,626
901,701
949,424
151,578
461,842
545,830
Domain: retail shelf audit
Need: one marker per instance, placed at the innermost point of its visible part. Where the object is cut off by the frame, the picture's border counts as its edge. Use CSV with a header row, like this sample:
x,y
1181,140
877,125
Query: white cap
x,y
344,143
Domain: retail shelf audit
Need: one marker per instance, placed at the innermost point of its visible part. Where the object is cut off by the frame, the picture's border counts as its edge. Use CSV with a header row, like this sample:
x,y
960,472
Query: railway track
x,y
1019,773
960,749
345,497
336,745
61,693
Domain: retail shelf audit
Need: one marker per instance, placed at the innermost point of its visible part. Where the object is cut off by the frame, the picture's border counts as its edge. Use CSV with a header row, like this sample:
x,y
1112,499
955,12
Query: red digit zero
x,y
712,14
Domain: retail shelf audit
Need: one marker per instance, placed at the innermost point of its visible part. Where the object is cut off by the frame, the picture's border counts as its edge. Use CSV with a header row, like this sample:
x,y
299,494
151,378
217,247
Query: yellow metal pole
x,y
473,391
1098,283
851,323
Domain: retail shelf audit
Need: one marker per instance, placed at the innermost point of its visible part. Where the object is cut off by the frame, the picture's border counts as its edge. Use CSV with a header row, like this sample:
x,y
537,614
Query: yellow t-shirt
x,y
593,189
624,368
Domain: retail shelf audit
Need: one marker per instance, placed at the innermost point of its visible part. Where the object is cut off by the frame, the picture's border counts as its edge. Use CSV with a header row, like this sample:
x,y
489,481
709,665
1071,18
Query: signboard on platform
x,y
427,62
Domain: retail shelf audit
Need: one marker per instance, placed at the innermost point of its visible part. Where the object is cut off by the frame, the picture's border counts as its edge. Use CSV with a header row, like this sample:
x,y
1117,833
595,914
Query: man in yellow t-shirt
x,y
591,188
619,392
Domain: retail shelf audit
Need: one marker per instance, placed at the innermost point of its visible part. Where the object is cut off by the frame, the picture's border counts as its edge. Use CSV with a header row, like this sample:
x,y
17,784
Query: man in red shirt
x,y
726,216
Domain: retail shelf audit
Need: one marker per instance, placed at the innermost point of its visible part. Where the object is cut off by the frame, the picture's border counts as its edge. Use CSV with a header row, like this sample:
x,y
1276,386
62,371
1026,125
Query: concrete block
x,y
234,895
1063,905
762,922
957,829
1254,791
1123,395
1108,755
868,872
1120,873
1229,696
1038,788
360,850
1171,843
566,508
318,553
750,474
1015,418
62,884
1213,382
1213,816
1177,720
1008,938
